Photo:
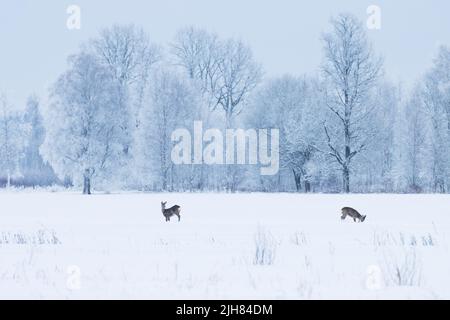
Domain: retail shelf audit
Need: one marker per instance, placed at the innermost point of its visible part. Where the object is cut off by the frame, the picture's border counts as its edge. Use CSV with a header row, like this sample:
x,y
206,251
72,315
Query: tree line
x,y
110,116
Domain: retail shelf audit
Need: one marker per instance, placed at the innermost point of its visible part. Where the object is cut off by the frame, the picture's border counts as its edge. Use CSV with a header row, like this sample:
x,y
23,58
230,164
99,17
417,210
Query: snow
x,y
122,247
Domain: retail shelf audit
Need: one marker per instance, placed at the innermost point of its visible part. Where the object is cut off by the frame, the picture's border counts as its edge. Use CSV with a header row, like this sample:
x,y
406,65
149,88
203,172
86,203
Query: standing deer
x,y
175,210
347,211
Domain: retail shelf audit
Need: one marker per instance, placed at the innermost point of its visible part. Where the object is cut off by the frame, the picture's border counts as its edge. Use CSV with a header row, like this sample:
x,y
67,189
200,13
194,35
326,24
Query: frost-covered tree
x,y
127,52
439,79
226,74
32,166
13,139
436,101
350,70
238,75
171,104
374,172
84,123
414,144
292,105
225,68
197,52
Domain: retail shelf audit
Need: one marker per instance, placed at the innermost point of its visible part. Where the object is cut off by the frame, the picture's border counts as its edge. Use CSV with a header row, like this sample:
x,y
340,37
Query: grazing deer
x,y
175,210
347,211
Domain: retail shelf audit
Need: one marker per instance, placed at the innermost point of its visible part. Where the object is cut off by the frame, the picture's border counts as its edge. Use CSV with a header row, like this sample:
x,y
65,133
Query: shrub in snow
x,y
41,237
390,239
265,247
299,239
401,268
428,240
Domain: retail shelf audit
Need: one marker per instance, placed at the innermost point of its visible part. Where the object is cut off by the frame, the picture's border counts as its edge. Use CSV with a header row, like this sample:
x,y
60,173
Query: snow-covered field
x,y
239,246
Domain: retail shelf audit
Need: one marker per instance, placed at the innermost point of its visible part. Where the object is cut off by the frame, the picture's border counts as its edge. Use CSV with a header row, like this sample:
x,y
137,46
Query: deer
x,y
172,211
347,211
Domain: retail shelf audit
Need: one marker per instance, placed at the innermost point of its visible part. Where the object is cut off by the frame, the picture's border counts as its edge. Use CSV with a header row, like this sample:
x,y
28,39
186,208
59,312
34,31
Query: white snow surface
x,y
227,246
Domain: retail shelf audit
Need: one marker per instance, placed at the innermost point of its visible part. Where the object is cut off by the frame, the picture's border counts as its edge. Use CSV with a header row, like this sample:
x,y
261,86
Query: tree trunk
x,y
8,181
87,182
346,169
229,170
164,182
347,143
346,179
298,183
201,183
307,186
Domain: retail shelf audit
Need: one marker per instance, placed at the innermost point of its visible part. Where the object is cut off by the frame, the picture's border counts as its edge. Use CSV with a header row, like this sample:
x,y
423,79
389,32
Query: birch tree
x,y
350,70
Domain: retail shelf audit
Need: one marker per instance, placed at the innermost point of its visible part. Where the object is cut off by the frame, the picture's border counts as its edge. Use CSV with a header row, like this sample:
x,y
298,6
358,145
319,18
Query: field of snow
x,y
237,246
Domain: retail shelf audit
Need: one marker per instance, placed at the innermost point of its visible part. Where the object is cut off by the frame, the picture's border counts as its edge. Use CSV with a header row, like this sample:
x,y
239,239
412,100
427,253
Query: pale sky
x,y
284,34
